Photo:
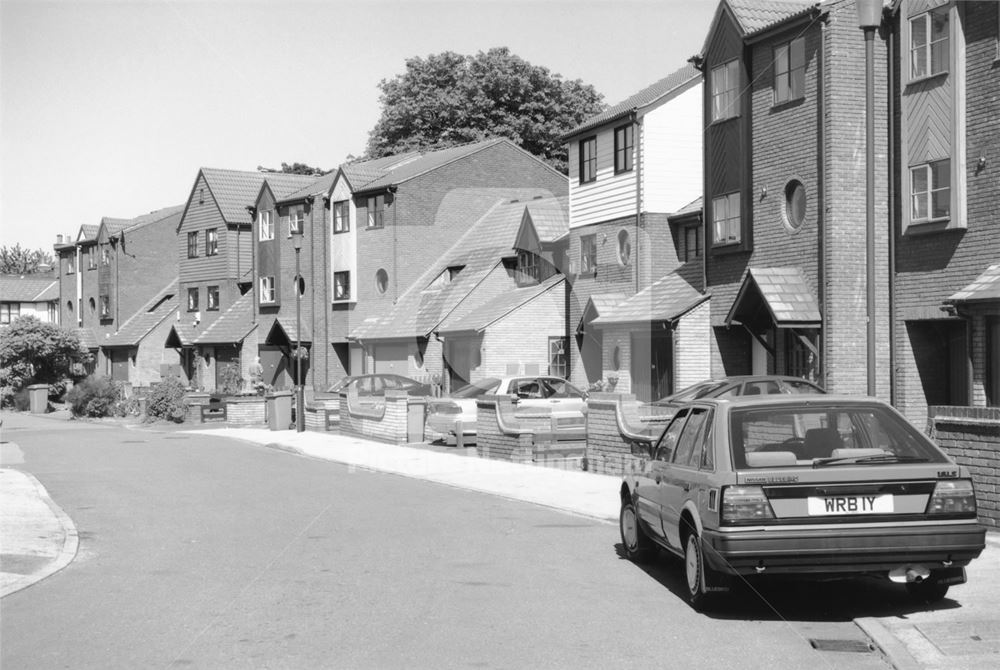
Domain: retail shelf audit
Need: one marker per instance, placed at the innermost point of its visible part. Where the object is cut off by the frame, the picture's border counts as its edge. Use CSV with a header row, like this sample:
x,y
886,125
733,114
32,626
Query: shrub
x,y
94,396
167,401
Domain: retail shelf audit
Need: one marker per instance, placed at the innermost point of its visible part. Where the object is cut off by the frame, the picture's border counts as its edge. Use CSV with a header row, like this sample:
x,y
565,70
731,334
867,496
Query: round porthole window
x,y
795,204
381,281
624,247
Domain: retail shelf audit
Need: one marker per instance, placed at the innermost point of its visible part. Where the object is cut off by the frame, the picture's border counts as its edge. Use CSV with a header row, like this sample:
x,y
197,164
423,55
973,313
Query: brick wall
x,y
387,423
971,435
246,411
692,347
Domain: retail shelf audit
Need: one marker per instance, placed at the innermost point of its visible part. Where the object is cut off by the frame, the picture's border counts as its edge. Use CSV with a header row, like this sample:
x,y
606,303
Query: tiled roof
x,y
232,326
784,291
419,310
114,226
550,216
985,287
400,172
321,185
153,217
88,231
235,189
139,325
665,300
184,334
87,337
757,15
487,312
29,288
690,208
361,173
661,90
288,325
599,304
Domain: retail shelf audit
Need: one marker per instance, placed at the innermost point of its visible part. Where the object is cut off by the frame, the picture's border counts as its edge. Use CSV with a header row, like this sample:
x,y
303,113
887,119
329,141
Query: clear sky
x,y
110,108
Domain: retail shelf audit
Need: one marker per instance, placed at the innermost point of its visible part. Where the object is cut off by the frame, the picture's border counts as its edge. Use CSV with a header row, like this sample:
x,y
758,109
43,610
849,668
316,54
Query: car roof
x,y
780,399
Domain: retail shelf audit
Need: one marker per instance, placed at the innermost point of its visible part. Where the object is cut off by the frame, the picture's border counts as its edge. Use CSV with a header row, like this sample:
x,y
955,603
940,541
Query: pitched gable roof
x,y
477,315
234,190
88,231
754,16
139,325
29,288
666,299
660,91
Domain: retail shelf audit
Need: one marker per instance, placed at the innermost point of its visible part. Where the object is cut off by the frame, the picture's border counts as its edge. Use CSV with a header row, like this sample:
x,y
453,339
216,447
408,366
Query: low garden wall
x,y
322,414
971,435
397,418
246,411
522,435
620,430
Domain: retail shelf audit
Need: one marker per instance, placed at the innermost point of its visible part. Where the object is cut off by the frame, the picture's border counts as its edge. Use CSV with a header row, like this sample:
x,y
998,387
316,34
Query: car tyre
x,y
638,547
697,575
928,591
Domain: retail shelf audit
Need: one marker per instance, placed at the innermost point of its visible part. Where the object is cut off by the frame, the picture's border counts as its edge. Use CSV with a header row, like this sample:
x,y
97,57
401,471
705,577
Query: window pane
x,y
939,57
918,32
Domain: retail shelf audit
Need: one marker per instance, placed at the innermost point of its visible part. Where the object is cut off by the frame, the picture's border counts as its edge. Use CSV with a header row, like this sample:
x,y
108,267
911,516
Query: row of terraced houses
x,y
712,224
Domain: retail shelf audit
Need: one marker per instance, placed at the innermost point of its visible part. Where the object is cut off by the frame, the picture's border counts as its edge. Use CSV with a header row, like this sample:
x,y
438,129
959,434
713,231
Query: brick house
x,y
631,167
946,195
492,304
215,255
108,275
389,220
34,295
784,194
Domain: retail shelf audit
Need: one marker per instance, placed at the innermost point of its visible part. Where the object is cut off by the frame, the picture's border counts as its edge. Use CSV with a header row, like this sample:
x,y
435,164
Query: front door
x,y
275,364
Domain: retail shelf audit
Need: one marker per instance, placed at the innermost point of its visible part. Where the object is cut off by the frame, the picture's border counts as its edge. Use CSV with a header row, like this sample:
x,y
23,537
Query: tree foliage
x,y
449,99
17,260
34,352
295,168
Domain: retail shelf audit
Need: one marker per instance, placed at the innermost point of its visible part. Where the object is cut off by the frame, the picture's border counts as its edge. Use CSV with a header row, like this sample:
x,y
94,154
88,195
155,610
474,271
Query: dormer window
x,y
527,268
929,43
446,276
725,81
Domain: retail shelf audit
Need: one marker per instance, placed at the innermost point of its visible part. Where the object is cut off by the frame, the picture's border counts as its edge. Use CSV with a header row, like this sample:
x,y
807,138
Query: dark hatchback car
x,y
740,385
801,485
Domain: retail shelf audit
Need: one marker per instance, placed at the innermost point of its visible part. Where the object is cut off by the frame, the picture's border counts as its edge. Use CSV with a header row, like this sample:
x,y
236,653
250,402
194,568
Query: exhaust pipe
x,y
909,574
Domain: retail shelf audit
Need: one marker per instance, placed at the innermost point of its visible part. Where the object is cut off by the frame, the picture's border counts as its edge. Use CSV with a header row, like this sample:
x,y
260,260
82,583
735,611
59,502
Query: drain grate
x,y
840,645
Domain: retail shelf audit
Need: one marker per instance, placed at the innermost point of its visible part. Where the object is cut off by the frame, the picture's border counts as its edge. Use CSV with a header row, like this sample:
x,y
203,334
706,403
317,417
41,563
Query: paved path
x,y
961,633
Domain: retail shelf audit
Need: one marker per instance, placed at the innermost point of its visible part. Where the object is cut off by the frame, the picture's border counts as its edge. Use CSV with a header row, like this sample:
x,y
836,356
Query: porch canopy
x,y
778,297
599,304
667,299
283,333
985,288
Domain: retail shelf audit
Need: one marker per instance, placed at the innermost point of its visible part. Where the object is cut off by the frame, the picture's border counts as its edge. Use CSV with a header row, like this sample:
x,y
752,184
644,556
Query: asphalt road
x,y
212,553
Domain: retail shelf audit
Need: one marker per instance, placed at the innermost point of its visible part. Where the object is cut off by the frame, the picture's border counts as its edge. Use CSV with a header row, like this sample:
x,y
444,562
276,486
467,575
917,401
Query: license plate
x,y
839,505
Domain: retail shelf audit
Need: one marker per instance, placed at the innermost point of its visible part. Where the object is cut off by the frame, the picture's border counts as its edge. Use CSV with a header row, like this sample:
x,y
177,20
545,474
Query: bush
x,y
167,401
94,396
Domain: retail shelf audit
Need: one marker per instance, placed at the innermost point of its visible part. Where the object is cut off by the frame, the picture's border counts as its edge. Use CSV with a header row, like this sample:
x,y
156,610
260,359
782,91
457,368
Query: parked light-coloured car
x,y
455,415
804,485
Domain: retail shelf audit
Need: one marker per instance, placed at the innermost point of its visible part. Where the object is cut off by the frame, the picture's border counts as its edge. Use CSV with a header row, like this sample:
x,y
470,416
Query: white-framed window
x,y
692,243
341,216
193,245
624,144
212,242
296,221
105,306
212,298
725,91
558,359
588,254
105,255
930,191
91,258
528,270
342,285
265,226
267,289
71,263
9,311
588,160
929,43
790,71
726,219
192,296
376,211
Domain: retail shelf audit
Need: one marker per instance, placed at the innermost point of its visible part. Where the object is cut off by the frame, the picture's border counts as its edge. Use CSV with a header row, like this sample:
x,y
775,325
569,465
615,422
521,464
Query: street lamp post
x,y
869,19
300,418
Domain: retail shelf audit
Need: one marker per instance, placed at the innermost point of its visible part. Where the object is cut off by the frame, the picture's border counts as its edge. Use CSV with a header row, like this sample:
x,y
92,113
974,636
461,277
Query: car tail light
x,y
953,497
745,503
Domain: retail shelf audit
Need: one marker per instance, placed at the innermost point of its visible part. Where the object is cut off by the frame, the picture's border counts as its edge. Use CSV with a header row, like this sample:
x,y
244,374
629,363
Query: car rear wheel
x,y
638,547
696,574
928,591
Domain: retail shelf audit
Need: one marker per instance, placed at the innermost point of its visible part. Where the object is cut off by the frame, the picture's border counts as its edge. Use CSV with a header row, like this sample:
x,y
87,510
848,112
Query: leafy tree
x,y
33,352
17,260
448,99
295,168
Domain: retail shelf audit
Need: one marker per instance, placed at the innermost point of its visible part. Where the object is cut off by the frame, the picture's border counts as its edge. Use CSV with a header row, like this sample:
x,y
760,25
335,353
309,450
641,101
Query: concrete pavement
x,y
963,632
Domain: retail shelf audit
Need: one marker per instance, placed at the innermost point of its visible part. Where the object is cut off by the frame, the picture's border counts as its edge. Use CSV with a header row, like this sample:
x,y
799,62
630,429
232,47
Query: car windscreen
x,y
826,436
476,389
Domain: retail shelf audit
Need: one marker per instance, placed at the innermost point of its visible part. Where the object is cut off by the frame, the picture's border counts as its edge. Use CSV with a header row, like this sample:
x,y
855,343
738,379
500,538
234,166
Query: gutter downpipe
x,y
892,217
636,134
79,286
870,203
821,210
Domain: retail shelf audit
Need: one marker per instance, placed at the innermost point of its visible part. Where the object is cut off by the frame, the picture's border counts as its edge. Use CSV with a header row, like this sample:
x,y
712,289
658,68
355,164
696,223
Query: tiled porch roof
x,y
665,300
986,287
142,322
783,294
232,326
490,311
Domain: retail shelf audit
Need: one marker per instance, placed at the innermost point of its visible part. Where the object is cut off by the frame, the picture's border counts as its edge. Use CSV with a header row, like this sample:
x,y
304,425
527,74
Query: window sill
x,y
926,78
719,122
931,226
785,104
624,171
341,232
729,248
